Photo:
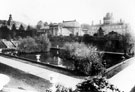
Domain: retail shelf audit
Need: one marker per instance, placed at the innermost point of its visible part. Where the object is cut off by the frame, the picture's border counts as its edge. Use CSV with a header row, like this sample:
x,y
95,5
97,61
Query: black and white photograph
x,y
67,45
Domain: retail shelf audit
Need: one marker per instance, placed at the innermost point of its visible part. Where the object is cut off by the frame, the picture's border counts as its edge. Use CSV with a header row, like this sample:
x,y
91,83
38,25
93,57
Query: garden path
x,y
125,80
53,77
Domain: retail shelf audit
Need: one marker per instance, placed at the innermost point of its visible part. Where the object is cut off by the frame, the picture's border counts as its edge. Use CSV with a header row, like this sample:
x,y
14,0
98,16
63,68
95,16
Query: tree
x,y
13,29
128,43
32,45
119,43
28,28
43,43
28,45
21,31
100,32
95,34
5,33
21,28
46,24
40,24
30,31
86,38
86,59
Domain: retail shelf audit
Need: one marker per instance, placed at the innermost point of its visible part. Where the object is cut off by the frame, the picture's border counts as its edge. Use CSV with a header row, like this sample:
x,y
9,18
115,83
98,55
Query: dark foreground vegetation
x,y
96,84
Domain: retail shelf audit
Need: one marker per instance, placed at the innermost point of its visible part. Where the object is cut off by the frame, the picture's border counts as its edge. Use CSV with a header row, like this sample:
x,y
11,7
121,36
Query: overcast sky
x,y
84,11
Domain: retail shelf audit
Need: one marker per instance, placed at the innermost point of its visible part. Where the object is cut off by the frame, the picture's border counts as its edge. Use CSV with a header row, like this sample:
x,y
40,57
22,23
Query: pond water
x,y
51,58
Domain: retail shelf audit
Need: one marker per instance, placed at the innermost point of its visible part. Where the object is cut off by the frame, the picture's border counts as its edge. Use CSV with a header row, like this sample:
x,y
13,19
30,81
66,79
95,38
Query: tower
x,y
108,19
9,20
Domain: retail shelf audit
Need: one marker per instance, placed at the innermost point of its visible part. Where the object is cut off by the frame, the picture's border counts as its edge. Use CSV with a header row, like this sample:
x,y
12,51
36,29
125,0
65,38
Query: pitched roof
x,y
71,24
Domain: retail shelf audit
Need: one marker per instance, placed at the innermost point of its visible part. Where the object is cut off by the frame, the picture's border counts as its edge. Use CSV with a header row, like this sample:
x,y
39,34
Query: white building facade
x,y
108,26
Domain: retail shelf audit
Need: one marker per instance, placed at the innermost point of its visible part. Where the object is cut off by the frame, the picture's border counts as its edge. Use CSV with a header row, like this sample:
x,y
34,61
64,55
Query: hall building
x,y
109,25
65,28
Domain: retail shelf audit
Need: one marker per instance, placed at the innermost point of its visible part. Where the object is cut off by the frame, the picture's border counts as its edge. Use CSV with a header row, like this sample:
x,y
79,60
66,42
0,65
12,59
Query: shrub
x,y
61,88
96,84
86,38
86,59
97,68
70,47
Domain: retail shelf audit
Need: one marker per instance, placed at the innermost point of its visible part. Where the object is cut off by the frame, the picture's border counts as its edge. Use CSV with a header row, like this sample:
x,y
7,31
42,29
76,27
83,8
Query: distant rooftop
x,y
72,24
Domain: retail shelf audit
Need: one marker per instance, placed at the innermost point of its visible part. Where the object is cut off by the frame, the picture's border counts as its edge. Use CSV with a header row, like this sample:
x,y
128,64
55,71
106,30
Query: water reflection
x,y
51,58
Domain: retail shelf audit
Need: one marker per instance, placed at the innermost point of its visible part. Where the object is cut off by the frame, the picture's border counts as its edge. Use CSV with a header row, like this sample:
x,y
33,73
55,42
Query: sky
x,y
84,11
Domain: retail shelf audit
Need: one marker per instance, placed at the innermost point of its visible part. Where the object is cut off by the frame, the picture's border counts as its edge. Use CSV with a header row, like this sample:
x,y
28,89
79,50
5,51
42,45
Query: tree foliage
x,y
86,38
43,42
37,44
96,84
21,27
40,24
5,32
86,59
112,42
119,43
28,45
100,32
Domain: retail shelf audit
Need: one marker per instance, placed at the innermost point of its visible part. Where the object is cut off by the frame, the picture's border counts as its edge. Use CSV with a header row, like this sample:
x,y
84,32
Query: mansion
x,y
72,27
108,25
65,28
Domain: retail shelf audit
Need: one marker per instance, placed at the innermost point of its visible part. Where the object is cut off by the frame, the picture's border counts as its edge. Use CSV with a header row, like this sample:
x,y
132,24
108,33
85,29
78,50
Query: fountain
x,y
38,57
